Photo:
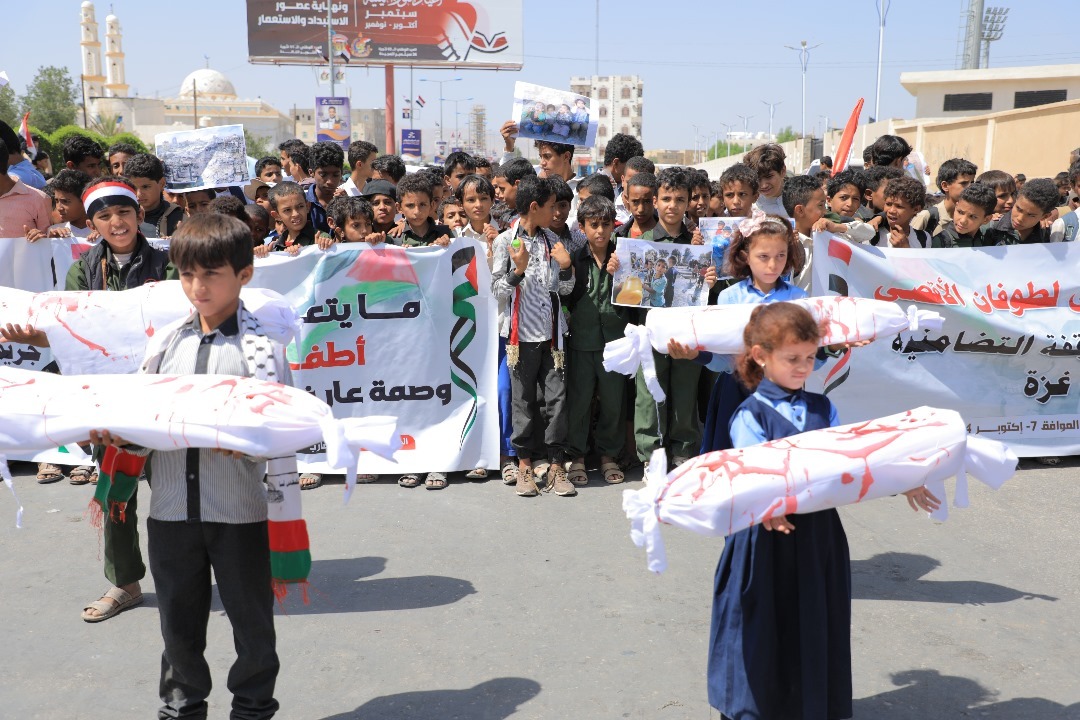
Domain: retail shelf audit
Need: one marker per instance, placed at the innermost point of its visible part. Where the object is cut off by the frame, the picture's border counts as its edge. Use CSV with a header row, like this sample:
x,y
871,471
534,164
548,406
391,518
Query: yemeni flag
x,y
24,130
420,100
463,267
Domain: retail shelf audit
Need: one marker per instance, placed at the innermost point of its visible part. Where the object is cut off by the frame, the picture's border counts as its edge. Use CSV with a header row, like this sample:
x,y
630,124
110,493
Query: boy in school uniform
x,y
147,173
571,237
640,197
769,162
415,203
904,198
972,210
327,159
361,155
672,424
845,194
208,509
594,322
531,274
288,203
383,196
1023,223
268,169
739,190
953,176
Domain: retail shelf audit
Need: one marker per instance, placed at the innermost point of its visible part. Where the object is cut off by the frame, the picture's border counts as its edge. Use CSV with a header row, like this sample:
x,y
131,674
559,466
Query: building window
x,y
968,101
1032,98
602,131
625,111
603,93
625,93
625,130
603,111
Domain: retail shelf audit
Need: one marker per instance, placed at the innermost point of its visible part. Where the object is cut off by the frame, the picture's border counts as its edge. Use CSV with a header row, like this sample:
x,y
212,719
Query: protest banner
x,y
334,121
551,115
639,283
1003,358
477,33
209,157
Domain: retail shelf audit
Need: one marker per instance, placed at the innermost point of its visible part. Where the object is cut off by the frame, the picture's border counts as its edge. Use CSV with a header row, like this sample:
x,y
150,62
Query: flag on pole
x,y
24,130
408,101
4,80
420,100
843,150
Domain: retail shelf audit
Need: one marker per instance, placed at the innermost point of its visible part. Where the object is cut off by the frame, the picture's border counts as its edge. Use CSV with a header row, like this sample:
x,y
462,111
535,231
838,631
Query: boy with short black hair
x,y
414,192
228,205
259,220
208,510
67,189
571,237
804,201
197,201
597,184
1070,221
770,163
594,322
874,181
383,195
904,198
845,191
1004,187
1022,225
505,182
350,221
117,155
268,169
556,160
327,159
739,190
388,167
620,149
82,153
288,203
147,173
953,176
361,156
972,210
458,165
476,196
452,214
295,162
483,167
700,196
531,274
889,151
640,197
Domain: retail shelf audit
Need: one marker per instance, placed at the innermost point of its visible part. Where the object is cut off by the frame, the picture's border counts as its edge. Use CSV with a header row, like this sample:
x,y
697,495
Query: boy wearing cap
x,y
382,194
123,259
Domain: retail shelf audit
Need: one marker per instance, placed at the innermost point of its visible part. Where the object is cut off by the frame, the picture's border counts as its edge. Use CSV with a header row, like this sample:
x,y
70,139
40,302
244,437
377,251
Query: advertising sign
x,y
332,120
410,142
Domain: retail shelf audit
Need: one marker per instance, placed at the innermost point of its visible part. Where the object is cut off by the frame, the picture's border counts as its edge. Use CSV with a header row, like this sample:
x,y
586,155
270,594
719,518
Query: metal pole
x,y
391,141
772,111
883,11
412,97
598,37
329,49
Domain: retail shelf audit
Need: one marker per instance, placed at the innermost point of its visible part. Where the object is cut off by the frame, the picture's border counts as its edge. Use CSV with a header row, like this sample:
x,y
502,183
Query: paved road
x,y
473,603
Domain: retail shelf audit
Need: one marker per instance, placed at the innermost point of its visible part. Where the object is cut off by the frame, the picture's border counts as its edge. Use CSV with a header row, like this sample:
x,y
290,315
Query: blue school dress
x,y
780,647
727,393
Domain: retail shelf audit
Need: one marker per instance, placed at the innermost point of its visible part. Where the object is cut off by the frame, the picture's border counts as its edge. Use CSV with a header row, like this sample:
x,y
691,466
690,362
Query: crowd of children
x,y
550,238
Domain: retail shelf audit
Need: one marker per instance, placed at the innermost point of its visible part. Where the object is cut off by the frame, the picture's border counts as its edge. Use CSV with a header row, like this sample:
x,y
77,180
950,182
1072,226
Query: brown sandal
x,y
613,474
577,475
49,473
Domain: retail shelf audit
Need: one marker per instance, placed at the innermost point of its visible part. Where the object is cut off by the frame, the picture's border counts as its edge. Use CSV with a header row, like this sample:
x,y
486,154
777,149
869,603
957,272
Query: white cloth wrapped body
x,y
167,412
723,492
719,329
102,331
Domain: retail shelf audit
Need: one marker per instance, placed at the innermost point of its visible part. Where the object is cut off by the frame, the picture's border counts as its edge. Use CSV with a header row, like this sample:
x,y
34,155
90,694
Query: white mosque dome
x,y
208,82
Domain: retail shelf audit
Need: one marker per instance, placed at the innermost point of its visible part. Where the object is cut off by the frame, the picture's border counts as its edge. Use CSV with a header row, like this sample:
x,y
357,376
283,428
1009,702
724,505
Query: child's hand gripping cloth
x,y
719,329
107,331
722,492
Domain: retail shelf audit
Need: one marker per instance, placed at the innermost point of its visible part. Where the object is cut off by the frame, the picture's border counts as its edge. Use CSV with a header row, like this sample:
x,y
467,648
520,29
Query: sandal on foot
x,y
364,479
120,601
310,481
435,481
80,475
408,481
577,474
477,474
509,473
94,477
613,474
49,473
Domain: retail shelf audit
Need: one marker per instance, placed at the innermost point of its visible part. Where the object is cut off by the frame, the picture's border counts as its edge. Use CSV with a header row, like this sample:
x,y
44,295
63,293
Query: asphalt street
x,y
473,603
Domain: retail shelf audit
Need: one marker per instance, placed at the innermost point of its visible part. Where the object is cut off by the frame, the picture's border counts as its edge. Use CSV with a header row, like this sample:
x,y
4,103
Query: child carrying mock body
x,y
594,322
208,509
531,273
791,656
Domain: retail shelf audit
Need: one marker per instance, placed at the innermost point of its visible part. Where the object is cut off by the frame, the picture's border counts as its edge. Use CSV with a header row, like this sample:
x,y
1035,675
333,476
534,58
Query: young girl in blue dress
x,y
780,647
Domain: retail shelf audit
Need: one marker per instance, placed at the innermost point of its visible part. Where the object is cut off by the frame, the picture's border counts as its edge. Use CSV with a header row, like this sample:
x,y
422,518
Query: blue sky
x,y
702,61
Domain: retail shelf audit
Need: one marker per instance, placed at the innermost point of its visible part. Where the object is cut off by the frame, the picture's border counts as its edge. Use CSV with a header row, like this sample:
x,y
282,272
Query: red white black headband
x,y
108,194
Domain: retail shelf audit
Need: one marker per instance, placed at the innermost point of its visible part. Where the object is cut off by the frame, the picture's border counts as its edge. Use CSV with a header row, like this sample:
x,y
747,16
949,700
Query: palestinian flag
x,y
117,480
463,267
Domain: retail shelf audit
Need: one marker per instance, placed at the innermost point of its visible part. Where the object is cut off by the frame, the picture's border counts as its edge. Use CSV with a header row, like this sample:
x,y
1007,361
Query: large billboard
x,y
434,33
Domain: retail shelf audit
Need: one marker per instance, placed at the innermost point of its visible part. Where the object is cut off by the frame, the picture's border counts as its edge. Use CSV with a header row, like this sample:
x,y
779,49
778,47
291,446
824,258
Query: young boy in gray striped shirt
x,y
208,508
531,273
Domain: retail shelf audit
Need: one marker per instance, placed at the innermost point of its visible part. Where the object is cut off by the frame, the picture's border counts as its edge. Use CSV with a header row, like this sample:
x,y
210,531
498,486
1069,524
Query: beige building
x,y
961,93
616,101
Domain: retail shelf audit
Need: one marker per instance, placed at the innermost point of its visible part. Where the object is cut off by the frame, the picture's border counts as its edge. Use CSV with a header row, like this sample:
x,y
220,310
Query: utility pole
x,y
804,60
727,137
329,47
882,7
772,109
745,125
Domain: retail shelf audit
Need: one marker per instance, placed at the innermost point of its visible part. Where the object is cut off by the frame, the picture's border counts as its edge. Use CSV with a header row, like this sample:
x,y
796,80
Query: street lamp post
x,y
772,111
696,146
727,137
745,125
456,113
440,84
804,59
882,7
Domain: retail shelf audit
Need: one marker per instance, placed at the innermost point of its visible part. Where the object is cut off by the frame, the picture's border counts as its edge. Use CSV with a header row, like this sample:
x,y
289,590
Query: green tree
x,y
786,134
9,106
51,98
258,147
721,149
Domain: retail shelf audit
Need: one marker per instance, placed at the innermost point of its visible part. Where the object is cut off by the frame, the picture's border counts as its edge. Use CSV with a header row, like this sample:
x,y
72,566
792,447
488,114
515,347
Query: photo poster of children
x,y
660,274
717,232
333,121
552,115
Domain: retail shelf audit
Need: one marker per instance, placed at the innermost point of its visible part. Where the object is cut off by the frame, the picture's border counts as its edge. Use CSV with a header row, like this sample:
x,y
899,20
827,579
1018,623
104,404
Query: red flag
x,y
24,130
843,150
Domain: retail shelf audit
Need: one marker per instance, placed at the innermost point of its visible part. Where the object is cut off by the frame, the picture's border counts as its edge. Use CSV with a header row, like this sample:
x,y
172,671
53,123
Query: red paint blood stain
x,y
150,330
847,478
88,343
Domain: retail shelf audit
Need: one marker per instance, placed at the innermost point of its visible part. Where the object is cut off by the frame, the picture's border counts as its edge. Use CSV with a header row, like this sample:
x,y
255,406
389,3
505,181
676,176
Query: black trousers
x,y
182,554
